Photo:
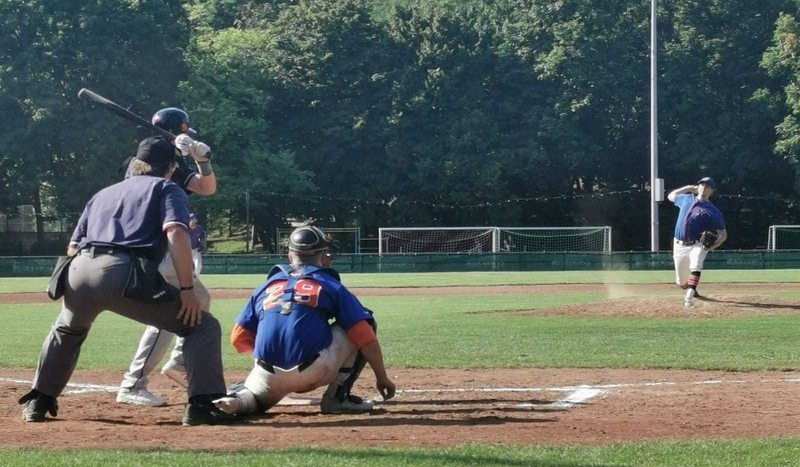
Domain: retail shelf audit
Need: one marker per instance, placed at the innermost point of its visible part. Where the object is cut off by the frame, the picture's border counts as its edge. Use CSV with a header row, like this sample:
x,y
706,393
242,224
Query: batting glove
x,y
199,151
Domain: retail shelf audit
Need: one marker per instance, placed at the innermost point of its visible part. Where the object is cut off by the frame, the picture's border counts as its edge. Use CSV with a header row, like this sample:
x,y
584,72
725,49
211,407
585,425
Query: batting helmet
x,y
171,119
308,240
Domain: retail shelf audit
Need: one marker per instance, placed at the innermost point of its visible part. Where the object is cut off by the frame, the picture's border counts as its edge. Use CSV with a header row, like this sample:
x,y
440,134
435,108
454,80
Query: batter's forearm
x,y
204,185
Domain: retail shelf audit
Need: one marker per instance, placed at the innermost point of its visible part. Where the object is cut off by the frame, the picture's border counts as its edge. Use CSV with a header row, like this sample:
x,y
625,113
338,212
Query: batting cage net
x,y
473,240
345,239
784,237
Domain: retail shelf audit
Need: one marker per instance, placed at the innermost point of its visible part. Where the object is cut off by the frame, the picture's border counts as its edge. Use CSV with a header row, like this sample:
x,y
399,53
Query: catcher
x,y
285,325
700,228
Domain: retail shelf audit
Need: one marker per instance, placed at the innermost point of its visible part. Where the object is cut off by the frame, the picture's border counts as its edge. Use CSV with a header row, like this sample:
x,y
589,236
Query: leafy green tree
x,y
230,92
780,61
52,144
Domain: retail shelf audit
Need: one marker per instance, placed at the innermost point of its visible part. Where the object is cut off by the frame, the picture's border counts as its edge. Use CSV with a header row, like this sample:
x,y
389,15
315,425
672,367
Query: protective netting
x,y
411,240
494,239
784,237
597,239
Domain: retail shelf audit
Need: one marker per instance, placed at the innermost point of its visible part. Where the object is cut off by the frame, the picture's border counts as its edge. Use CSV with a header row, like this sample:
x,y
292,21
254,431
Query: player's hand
x,y
184,143
386,388
200,151
190,312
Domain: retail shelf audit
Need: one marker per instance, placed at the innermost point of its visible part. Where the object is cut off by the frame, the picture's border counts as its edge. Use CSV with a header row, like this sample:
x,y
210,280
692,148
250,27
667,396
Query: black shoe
x,y
208,414
355,399
37,405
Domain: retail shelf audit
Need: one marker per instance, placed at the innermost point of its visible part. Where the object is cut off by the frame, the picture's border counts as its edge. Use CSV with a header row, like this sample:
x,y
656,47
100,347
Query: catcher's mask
x,y
172,120
309,240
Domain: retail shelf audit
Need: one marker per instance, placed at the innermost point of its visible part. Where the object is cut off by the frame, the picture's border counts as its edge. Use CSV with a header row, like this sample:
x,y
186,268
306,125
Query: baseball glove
x,y
708,238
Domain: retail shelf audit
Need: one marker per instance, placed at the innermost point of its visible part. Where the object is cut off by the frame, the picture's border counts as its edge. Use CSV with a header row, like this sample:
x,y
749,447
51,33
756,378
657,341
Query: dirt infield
x,y
447,407
438,408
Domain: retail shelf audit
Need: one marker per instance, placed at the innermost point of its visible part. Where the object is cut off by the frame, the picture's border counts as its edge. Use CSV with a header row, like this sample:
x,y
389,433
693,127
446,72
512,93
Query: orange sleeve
x,y
242,339
361,334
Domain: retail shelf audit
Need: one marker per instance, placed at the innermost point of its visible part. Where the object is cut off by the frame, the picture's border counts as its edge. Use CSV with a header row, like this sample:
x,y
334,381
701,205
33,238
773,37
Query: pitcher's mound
x,y
671,306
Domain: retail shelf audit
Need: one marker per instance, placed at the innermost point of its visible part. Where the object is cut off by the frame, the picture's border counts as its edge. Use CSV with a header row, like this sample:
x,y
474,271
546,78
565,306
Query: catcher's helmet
x,y
171,119
308,240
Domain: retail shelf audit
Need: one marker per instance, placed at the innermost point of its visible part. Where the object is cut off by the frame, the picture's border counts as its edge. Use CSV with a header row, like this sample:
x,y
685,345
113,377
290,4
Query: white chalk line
x,y
577,395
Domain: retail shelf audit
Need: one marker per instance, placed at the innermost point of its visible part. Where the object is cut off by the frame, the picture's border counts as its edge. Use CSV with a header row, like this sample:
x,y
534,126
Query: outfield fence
x,y
36,266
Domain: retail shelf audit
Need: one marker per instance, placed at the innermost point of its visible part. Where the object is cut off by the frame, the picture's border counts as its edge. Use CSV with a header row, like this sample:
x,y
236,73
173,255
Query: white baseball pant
x,y
687,259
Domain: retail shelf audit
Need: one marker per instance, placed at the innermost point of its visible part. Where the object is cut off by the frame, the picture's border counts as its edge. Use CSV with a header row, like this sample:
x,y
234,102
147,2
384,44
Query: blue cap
x,y
708,181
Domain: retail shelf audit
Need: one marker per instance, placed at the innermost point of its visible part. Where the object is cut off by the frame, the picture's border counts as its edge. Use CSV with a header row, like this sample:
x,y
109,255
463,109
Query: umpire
x,y
123,226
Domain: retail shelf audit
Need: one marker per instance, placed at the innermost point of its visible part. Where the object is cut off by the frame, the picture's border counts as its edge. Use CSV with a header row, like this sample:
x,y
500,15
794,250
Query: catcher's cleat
x,y
208,414
330,405
229,404
37,405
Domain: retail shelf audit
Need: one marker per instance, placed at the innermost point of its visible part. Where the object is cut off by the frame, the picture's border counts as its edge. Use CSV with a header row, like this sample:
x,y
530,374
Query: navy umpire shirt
x,y
133,214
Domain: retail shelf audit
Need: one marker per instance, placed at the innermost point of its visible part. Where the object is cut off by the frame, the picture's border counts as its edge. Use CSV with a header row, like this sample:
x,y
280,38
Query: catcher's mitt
x,y
708,238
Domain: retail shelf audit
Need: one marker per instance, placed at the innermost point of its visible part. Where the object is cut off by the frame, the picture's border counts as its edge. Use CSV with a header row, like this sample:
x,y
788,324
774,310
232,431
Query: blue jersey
x,y
287,337
197,235
695,217
684,203
702,216
133,214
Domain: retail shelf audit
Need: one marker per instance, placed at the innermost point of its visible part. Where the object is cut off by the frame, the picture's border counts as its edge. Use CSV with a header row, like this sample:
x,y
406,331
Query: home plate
x,y
300,401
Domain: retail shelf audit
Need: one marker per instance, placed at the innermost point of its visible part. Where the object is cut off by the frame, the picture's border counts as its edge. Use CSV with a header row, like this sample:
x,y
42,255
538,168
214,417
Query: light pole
x,y
656,185
247,221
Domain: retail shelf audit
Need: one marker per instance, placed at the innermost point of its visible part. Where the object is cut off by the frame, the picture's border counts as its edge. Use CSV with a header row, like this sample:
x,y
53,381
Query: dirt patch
x,y
671,306
610,290
438,408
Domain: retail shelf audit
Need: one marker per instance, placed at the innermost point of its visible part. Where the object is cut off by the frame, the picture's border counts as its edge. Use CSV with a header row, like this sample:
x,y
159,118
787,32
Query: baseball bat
x,y
117,109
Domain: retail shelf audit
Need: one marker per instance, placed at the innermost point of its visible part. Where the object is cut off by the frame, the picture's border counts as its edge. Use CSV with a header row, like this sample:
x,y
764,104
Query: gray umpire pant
x,y
154,342
95,283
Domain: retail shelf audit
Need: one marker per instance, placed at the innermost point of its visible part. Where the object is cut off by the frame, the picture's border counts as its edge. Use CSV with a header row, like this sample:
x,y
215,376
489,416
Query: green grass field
x,y
470,331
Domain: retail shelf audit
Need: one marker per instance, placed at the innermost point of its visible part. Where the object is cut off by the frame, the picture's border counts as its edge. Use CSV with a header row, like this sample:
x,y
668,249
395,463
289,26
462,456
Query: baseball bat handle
x,y
113,107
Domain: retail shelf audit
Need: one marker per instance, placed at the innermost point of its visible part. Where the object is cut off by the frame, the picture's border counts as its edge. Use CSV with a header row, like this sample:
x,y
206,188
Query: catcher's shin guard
x,y
340,388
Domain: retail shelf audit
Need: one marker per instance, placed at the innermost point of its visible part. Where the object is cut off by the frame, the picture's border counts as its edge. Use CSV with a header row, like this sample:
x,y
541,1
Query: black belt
x,y
302,366
93,251
682,243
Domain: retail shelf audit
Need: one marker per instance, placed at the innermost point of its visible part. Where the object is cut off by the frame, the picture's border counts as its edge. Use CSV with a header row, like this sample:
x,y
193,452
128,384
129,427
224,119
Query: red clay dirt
x,y
445,407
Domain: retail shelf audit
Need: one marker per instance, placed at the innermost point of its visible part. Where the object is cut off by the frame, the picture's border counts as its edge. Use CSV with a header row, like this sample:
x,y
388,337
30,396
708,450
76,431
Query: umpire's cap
x,y
308,240
157,151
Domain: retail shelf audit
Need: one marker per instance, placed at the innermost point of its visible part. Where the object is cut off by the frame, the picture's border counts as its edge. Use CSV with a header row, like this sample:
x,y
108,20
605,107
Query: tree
x,y
52,144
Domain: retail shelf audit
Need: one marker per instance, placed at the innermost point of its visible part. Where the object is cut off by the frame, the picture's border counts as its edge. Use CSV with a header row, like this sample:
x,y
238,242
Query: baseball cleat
x,y
208,414
351,405
175,372
37,405
688,301
229,404
140,397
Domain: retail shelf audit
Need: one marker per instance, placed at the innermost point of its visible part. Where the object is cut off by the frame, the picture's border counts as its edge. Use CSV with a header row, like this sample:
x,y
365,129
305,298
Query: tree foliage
x,y
416,112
